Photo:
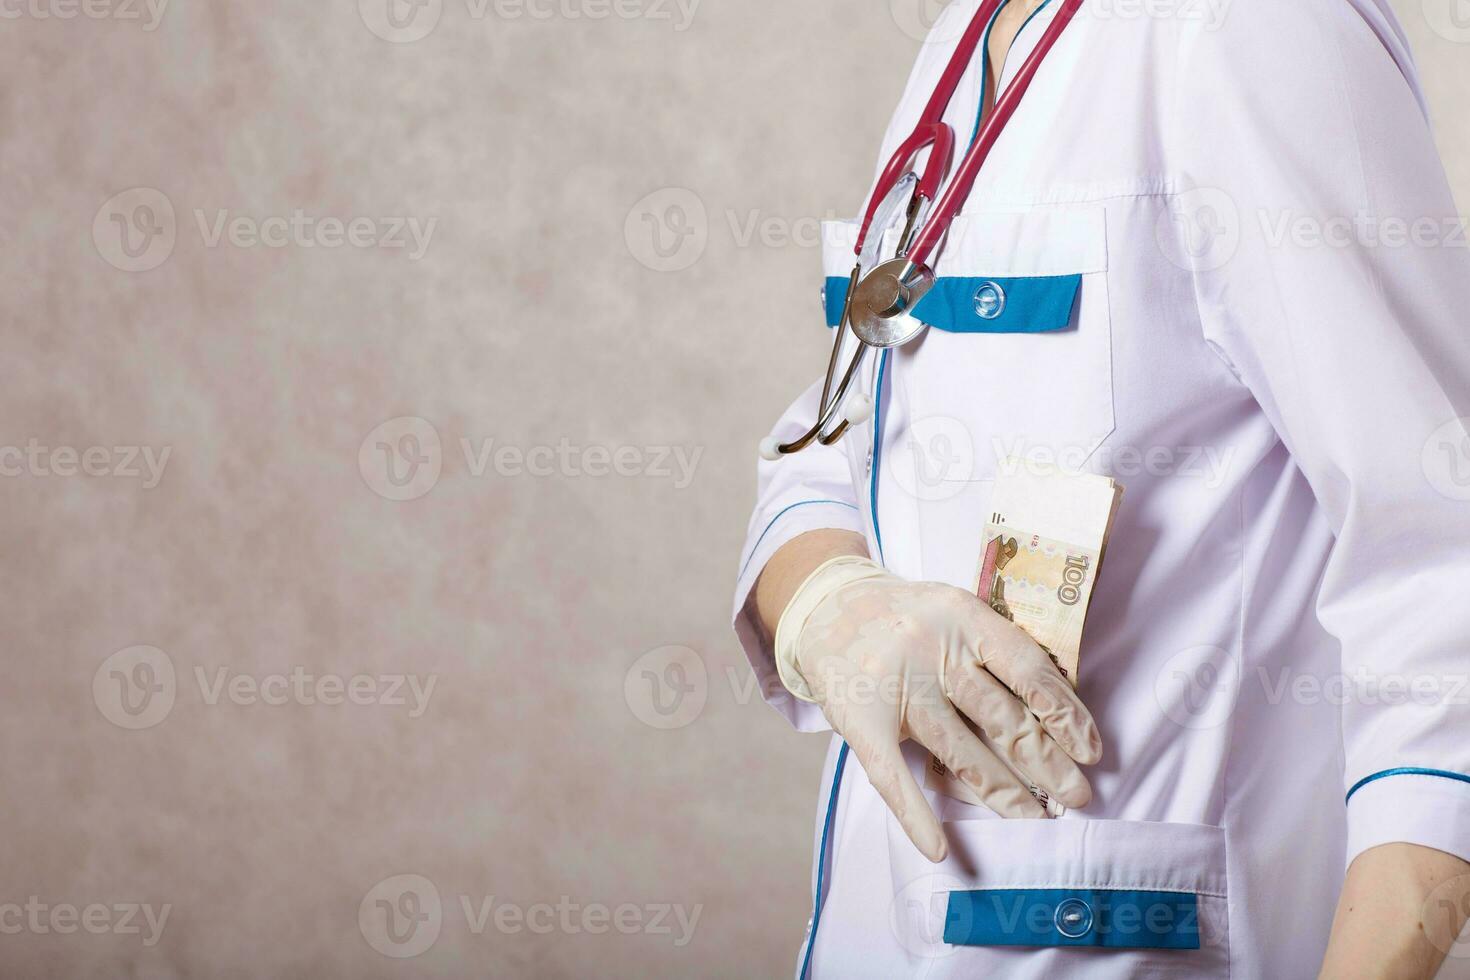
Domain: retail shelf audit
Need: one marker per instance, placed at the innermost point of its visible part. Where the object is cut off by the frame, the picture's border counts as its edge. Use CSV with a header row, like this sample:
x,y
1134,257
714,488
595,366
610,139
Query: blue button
x,y
1074,918
990,301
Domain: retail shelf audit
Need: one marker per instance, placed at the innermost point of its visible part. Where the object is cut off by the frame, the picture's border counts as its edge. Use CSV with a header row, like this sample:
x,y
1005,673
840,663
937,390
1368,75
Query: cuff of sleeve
x,y
827,579
789,522
1410,806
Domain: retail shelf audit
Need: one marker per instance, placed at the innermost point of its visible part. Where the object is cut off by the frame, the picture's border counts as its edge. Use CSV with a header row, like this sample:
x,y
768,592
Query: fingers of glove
x,y
1024,667
1016,733
882,759
942,731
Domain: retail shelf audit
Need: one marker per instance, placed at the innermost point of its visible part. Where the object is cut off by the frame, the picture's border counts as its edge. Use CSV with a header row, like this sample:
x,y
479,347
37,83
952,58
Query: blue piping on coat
x,y
811,939
772,523
1405,771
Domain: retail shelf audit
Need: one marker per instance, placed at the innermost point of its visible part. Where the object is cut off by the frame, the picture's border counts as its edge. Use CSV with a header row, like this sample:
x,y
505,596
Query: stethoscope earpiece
x,y
859,408
770,449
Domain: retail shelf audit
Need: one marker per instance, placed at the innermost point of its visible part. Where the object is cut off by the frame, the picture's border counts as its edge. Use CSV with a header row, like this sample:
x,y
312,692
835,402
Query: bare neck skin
x,y
1002,36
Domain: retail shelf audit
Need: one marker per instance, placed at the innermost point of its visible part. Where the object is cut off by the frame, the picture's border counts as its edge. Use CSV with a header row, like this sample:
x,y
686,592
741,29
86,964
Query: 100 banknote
x,y
1043,586
1041,552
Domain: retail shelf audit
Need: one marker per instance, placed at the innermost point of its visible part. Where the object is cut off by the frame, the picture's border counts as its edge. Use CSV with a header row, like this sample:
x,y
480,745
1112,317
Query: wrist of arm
x,y
790,566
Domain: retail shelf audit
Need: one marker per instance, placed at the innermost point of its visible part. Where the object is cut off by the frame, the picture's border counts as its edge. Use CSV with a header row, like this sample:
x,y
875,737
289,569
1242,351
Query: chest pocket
x,y
1018,365
1023,345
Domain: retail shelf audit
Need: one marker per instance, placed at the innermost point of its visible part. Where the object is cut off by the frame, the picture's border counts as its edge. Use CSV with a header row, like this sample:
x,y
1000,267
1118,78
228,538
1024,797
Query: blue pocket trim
x,y
1029,304
1089,917
834,298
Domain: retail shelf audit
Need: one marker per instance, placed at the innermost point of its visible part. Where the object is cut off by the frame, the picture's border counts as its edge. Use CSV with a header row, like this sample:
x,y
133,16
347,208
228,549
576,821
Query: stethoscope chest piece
x,y
881,311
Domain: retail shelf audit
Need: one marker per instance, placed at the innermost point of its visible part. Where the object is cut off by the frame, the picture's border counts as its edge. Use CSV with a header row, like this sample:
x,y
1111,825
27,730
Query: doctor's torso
x,y
1075,341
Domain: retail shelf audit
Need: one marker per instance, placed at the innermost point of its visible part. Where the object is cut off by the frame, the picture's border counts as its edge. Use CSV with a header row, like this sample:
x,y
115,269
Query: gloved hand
x,y
887,660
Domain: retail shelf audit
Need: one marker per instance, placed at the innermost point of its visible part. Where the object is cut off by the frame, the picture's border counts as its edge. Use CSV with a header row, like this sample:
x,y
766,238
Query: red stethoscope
x,y
878,305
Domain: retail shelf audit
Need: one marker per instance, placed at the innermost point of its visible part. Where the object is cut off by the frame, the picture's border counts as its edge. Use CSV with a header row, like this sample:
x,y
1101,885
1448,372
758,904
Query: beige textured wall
x,y
203,549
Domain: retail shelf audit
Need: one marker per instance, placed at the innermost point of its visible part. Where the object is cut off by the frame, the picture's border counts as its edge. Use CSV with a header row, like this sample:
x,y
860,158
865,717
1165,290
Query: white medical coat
x,y
1235,281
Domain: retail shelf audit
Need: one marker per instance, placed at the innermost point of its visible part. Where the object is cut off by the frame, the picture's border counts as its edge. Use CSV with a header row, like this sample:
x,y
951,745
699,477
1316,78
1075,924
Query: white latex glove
x,y
887,660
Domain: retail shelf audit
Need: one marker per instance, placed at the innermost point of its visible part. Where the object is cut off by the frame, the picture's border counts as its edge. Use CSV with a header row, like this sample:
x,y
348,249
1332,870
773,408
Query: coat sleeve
x,y
811,490
815,488
1337,287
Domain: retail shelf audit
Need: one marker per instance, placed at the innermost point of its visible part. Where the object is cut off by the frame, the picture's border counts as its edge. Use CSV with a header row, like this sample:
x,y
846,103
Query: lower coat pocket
x,y
1104,898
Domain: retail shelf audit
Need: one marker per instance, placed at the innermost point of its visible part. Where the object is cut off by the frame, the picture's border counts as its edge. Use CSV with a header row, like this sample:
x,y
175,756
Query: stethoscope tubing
x,y
922,236
832,403
957,192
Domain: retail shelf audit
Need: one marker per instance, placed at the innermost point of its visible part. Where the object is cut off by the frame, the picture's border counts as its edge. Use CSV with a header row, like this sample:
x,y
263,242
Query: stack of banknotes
x,y
1039,562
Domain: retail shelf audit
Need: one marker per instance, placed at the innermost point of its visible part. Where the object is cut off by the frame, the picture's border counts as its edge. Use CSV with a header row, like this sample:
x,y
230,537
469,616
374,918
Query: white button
x,y
990,301
1074,918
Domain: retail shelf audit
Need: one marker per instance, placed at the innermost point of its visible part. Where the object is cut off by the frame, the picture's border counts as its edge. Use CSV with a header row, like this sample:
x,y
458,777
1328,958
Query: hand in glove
x,y
887,660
